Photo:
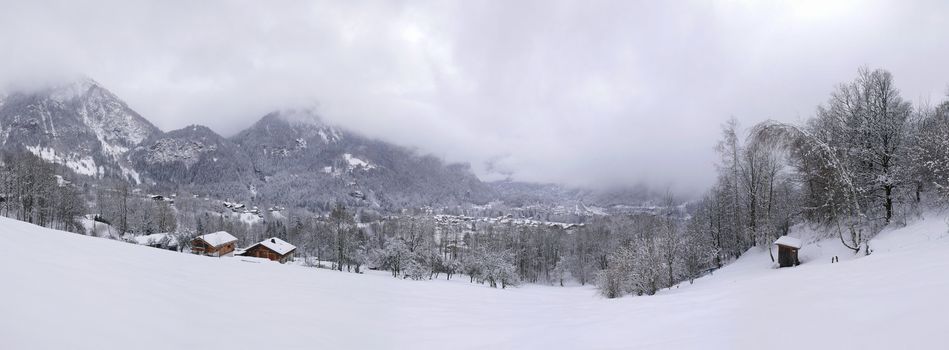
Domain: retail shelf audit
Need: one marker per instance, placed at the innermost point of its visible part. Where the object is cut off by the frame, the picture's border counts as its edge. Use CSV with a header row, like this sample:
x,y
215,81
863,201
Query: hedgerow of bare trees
x,y
34,191
864,161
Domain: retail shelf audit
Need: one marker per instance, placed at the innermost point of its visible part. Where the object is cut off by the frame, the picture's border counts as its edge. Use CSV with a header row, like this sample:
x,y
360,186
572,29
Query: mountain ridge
x,y
285,155
288,156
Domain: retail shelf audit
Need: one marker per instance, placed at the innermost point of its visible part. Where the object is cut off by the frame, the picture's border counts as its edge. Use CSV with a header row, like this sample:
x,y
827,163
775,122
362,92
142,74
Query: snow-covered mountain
x,y
287,157
295,149
191,155
81,125
289,139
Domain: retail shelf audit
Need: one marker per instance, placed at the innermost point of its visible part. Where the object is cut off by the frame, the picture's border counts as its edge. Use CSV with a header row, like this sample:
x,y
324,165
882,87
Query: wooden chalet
x,y
214,244
787,251
272,248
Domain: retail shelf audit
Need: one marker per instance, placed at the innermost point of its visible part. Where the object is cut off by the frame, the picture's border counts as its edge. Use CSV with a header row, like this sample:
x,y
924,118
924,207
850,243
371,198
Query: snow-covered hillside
x,y
62,290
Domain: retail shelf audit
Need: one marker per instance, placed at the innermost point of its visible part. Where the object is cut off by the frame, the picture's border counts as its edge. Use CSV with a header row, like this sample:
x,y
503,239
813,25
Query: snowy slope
x,y
68,291
99,229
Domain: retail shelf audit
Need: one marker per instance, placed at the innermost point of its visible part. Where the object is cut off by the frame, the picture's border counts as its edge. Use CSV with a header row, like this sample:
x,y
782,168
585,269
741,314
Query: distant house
x,y
273,248
158,240
160,198
235,207
787,251
214,244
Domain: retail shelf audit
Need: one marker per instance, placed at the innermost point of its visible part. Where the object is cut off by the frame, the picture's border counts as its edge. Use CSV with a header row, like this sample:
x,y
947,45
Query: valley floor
x,y
62,290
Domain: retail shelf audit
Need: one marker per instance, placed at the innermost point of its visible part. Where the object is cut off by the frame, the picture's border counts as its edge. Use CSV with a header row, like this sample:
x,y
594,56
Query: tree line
x,y
867,159
35,191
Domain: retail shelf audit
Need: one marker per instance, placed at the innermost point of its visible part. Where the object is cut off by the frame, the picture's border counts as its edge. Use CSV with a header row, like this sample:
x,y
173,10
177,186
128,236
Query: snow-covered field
x,y
66,291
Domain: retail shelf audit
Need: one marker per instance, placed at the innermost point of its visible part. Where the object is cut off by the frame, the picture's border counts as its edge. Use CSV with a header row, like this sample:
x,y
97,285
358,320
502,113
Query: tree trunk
x,y
888,202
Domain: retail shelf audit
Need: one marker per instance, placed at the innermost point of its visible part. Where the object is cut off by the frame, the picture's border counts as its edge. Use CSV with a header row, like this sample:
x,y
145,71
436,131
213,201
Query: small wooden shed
x,y
787,251
219,243
272,248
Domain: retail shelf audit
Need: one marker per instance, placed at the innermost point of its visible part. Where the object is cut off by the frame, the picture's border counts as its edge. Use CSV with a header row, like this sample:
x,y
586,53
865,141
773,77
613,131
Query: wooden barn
x,y
272,248
214,244
787,251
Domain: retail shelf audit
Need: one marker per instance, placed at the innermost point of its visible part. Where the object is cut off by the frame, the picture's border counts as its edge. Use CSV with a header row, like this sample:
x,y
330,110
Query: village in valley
x,y
448,231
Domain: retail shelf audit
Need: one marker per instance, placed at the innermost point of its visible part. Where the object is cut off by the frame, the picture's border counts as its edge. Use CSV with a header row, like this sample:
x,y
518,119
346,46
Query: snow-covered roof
x,y
788,242
218,238
278,245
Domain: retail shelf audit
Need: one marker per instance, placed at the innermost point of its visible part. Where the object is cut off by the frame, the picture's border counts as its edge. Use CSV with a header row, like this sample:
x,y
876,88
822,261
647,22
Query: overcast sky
x,y
576,92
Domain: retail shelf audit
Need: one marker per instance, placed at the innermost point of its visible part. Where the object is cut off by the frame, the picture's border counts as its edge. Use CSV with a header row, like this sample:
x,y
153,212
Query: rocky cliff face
x,y
80,125
193,155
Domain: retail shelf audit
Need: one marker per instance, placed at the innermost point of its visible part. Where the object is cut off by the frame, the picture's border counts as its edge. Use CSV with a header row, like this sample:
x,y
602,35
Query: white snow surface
x,y
277,215
91,293
154,238
81,165
356,162
332,136
131,173
98,229
248,218
323,136
218,238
